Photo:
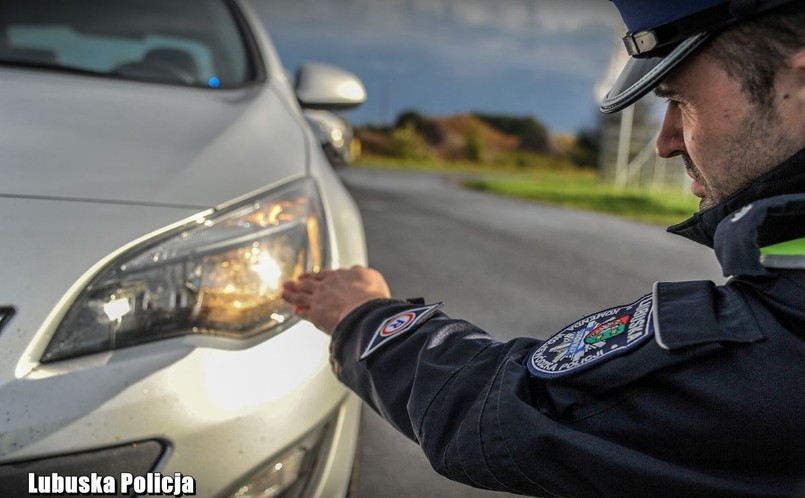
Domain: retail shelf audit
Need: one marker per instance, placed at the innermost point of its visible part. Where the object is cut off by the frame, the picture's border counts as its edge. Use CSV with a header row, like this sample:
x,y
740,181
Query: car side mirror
x,y
322,86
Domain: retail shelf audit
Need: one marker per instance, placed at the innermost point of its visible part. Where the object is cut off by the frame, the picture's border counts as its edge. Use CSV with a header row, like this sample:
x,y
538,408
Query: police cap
x,y
662,33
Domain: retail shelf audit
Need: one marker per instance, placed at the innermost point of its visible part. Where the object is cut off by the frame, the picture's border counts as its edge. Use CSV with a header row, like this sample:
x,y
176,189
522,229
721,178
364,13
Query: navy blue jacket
x,y
693,390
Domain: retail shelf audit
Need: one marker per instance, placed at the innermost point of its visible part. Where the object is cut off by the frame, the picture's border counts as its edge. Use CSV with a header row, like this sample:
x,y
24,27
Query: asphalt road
x,y
511,267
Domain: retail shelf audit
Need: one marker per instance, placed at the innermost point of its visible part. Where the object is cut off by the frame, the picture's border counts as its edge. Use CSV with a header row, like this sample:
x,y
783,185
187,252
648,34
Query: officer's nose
x,y
671,141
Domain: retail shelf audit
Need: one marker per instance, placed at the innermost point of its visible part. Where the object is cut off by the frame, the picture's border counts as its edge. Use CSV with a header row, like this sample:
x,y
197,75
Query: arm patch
x,y
593,339
399,325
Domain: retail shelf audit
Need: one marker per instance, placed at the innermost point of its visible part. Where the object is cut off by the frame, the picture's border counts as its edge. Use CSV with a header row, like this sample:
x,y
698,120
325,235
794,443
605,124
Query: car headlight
x,y
219,275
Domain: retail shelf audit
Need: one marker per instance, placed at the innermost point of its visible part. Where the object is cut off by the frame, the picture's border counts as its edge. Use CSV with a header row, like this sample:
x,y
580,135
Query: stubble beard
x,y
758,145
708,200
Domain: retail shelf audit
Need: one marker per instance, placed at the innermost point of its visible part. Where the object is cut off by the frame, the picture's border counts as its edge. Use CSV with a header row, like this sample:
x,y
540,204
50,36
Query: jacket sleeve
x,y
691,418
429,384
400,379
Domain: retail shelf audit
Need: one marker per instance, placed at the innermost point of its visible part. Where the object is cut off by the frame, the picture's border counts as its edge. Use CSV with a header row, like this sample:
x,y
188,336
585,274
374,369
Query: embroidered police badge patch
x,y
397,326
593,339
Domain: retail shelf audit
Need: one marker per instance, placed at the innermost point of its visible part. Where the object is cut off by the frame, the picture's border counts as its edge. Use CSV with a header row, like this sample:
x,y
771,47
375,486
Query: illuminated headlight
x,y
218,275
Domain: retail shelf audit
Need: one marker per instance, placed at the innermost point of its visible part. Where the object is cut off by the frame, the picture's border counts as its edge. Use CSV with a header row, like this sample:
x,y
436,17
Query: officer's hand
x,y
327,297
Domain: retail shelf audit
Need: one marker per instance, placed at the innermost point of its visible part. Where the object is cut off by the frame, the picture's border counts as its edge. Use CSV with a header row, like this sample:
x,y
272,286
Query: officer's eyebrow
x,y
665,91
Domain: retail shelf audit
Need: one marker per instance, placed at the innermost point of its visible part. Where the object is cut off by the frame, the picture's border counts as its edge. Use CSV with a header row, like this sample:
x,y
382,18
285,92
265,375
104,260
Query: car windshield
x,y
186,42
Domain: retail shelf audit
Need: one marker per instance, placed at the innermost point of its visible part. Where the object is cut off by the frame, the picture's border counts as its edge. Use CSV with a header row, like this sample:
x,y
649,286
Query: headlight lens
x,y
220,275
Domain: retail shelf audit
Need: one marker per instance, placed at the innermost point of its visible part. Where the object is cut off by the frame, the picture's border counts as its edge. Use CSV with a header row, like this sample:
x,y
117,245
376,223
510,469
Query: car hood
x,y
82,137
90,165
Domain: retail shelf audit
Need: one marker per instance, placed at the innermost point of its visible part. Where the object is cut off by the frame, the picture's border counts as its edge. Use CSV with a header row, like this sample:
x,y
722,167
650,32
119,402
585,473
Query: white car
x,y
158,183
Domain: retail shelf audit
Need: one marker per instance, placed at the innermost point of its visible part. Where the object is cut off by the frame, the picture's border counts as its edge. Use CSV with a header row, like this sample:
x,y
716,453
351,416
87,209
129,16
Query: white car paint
x,y
91,165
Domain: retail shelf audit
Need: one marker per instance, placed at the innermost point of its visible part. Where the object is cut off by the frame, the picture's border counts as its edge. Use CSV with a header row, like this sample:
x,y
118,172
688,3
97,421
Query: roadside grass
x,y
514,162
585,193
565,187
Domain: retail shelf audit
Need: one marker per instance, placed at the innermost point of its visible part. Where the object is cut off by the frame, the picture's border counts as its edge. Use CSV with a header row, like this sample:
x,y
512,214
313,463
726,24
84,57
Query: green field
x,y
584,192
576,189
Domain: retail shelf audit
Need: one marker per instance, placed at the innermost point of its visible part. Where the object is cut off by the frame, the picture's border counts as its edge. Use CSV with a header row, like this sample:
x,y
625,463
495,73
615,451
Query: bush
x,y
475,147
534,137
585,151
407,144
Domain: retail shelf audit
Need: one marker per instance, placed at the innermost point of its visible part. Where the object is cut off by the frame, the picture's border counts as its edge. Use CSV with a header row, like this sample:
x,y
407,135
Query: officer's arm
x,y
428,379
616,417
564,417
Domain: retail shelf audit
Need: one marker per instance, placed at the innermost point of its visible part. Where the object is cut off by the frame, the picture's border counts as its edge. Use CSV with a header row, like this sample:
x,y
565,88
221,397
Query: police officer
x,y
693,389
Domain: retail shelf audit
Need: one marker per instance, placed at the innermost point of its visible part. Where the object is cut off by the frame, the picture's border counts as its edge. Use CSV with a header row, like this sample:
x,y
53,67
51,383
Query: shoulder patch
x,y
397,326
593,339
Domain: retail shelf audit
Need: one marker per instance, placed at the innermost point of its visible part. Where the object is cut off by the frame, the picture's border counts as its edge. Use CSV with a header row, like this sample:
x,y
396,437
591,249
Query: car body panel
x,y
215,384
159,144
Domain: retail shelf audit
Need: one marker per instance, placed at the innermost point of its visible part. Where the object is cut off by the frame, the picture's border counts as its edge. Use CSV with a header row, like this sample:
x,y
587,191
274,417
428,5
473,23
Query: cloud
x,y
493,33
523,16
396,16
572,16
498,45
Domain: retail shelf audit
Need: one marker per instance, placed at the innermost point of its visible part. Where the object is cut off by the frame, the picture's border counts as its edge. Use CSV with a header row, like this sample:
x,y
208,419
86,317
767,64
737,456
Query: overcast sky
x,y
440,57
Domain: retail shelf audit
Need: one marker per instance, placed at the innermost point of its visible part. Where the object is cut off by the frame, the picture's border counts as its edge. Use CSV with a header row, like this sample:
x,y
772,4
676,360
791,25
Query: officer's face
x,y
723,139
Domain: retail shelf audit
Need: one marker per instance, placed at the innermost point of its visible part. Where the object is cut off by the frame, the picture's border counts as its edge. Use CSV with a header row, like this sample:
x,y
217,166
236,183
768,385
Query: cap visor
x,y
641,75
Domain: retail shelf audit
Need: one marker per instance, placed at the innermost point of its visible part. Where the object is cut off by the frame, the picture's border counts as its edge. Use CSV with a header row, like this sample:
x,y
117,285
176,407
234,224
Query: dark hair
x,y
754,51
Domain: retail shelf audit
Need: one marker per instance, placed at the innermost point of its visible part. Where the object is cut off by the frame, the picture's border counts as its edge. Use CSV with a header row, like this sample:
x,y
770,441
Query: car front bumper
x,y
208,408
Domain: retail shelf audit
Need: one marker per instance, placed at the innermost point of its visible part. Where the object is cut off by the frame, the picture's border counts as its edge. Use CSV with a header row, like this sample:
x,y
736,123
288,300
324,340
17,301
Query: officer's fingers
x,y
322,274
302,312
308,285
295,297
318,275
316,315
290,286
